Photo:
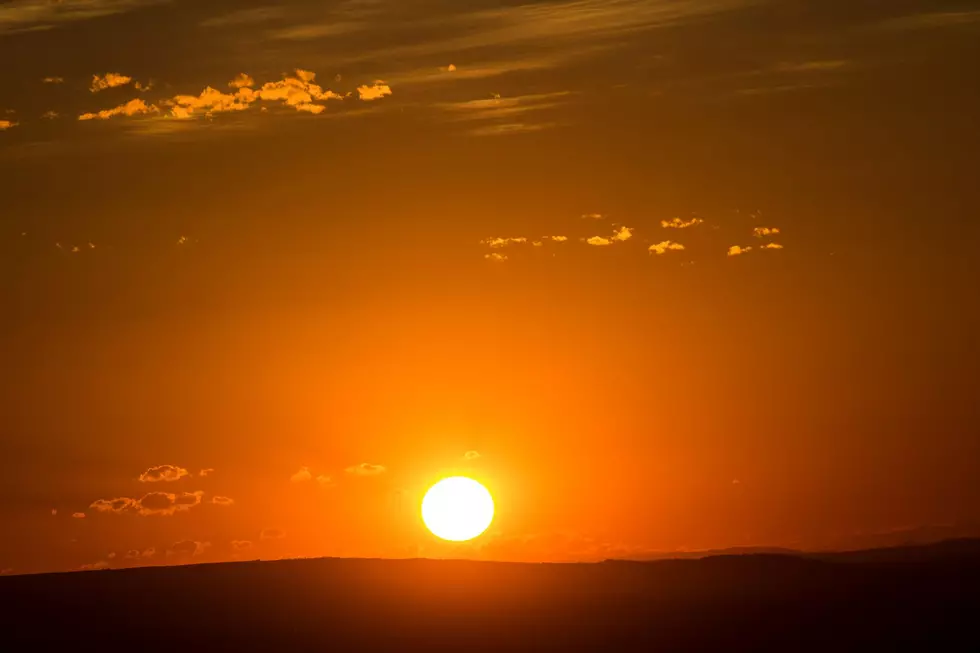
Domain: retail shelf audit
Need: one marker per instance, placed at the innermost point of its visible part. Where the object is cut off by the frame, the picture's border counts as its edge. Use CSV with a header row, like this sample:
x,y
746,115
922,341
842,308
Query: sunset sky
x,y
663,275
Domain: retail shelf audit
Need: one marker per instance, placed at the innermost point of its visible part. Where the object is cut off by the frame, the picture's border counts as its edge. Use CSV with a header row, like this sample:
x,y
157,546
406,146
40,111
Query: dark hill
x,y
915,598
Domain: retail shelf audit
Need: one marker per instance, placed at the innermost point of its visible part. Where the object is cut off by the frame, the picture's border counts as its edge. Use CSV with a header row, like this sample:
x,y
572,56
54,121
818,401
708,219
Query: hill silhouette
x,y
907,598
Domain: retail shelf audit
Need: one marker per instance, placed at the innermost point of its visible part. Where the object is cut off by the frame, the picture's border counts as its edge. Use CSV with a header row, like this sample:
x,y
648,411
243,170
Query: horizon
x,y
662,276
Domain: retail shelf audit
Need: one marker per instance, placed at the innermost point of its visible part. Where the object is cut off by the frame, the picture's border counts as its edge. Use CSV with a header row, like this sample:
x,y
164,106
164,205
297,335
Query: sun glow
x,y
457,509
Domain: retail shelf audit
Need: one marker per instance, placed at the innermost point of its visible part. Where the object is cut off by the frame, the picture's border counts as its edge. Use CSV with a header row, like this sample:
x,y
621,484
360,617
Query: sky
x,y
664,275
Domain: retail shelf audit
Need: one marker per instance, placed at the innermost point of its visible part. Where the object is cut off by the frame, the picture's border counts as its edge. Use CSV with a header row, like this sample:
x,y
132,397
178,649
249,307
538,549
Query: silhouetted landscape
x,y
910,598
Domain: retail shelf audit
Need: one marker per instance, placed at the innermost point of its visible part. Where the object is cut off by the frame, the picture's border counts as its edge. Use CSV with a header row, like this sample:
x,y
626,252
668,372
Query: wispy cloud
x,y
565,26
932,20
511,128
772,246
222,501
811,66
53,80
33,15
760,232
310,32
504,107
244,17
471,455
496,257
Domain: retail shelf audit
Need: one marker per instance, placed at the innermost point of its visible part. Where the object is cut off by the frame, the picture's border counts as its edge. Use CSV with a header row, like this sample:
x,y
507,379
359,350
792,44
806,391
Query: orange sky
x,y
681,275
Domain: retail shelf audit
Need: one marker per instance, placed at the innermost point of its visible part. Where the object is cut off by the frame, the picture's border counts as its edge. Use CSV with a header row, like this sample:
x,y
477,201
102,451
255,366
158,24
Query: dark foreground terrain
x,y
915,598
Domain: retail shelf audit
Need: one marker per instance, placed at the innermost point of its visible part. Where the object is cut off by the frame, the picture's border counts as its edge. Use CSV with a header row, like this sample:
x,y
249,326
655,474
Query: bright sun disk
x,y
457,509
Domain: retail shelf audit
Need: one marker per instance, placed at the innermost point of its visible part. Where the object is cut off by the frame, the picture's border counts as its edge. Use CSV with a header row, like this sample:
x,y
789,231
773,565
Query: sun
x,y
457,509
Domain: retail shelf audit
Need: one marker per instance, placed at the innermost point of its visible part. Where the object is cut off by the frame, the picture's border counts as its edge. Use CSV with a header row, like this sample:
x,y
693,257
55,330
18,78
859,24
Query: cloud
x,y
241,545
620,235
244,17
167,473
366,469
568,27
154,503
737,250
324,480
6,124
557,239
78,515
95,566
53,80
471,455
297,92
496,107
451,68
242,81
772,246
109,80
503,242
136,554
211,101
54,511
375,91
272,534
132,108
511,128
302,476
310,32
33,15
678,223
204,472
496,257
664,247
759,232
111,556
188,548
593,216
811,66
932,20
623,234
49,115
222,501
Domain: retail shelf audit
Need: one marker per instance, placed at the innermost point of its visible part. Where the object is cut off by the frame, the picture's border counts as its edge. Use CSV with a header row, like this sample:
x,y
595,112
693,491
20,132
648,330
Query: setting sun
x,y
457,509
